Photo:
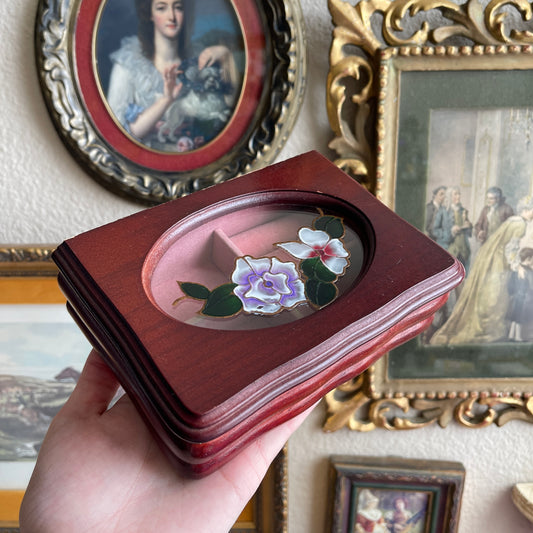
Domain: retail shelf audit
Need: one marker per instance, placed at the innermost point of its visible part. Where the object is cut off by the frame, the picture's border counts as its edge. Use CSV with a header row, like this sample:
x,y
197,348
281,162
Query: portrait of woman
x,y
369,516
171,87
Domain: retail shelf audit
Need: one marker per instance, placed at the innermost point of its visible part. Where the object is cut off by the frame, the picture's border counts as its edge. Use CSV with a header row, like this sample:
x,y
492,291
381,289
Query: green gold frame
x,y
28,275
364,491
362,88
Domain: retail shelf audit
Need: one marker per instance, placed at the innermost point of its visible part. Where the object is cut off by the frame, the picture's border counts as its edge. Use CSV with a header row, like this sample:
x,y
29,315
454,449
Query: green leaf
x,y
194,290
320,293
222,302
333,226
314,269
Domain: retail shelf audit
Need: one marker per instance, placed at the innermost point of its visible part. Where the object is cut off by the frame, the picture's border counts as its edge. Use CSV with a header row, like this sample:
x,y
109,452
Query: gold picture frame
x,y
28,276
365,62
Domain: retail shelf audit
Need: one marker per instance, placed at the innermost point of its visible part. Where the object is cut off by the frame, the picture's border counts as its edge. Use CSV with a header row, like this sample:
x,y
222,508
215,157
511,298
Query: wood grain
x,y
213,390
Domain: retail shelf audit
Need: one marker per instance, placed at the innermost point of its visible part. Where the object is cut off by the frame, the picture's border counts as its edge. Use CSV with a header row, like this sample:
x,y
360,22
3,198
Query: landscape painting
x,y
42,353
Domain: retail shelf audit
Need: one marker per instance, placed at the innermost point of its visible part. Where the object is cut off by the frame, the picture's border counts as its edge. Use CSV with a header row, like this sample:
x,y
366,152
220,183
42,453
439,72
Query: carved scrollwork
x,y
364,28
354,406
364,32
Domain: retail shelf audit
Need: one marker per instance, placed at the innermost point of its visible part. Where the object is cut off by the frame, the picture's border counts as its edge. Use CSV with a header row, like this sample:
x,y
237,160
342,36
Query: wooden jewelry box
x,y
226,312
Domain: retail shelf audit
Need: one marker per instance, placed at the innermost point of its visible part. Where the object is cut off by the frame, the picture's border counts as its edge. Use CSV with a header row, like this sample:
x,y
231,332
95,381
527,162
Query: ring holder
x,y
229,311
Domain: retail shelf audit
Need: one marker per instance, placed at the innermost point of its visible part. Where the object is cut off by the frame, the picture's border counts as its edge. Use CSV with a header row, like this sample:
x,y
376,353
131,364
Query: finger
x,y
256,458
176,91
96,387
265,448
231,487
204,60
170,68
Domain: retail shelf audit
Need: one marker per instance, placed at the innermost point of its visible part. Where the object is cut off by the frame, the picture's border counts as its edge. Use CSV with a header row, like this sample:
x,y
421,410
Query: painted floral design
x,y
266,286
317,243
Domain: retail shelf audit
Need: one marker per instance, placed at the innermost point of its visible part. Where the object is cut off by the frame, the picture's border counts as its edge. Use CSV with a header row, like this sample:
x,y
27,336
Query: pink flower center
x,y
320,252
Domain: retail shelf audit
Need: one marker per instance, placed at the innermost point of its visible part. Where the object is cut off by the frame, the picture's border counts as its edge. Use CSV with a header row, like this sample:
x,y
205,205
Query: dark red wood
x,y
206,392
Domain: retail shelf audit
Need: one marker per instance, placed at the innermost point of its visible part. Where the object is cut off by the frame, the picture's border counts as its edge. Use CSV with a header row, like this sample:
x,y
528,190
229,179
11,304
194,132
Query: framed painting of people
x,y
42,352
170,96
393,495
461,173
454,138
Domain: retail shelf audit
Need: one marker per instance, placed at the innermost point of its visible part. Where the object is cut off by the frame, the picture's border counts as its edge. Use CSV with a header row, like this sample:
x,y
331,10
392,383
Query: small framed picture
x,y
157,99
395,495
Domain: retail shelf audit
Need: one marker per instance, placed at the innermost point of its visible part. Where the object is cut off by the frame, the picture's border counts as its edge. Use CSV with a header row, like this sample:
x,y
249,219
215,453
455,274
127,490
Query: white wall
x,y
46,197
494,458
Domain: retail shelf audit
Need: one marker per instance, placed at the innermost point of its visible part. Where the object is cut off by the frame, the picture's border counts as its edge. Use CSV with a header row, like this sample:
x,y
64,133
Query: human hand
x,y
171,87
213,54
100,470
220,54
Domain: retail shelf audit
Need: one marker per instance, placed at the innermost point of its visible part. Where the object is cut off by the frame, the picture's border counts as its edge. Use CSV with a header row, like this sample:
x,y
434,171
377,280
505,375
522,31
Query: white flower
x,y
317,243
266,286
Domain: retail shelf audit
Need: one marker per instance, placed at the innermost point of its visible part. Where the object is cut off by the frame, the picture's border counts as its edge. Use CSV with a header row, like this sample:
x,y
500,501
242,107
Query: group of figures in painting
x,y
495,302
169,89
390,511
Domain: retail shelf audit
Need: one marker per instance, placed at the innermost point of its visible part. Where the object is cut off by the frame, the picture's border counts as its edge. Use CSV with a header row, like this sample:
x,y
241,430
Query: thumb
x,y
96,387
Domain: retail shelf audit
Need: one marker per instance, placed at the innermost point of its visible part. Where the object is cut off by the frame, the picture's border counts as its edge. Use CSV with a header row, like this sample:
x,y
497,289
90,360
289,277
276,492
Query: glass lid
x,y
254,267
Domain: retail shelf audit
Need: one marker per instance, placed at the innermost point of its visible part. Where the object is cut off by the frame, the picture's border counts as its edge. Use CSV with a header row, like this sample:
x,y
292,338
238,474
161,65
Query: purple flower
x,y
266,286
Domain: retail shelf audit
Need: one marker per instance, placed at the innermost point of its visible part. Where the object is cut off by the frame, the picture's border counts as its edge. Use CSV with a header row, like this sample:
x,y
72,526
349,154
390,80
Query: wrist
x,y
166,100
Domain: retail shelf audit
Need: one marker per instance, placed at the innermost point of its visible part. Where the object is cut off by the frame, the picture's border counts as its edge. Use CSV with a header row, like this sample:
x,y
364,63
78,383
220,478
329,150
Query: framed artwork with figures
x,y
454,132
159,98
462,175
394,495
208,95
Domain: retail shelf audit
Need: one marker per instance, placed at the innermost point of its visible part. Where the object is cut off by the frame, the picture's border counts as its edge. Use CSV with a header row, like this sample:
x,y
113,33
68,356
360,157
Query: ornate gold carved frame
x,y
363,29
365,37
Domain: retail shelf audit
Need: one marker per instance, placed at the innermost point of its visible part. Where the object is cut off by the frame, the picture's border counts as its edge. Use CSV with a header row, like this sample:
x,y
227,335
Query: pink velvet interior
x,y
207,254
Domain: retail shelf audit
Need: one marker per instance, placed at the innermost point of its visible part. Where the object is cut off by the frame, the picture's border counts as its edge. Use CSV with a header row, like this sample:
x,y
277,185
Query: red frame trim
x,y
254,38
